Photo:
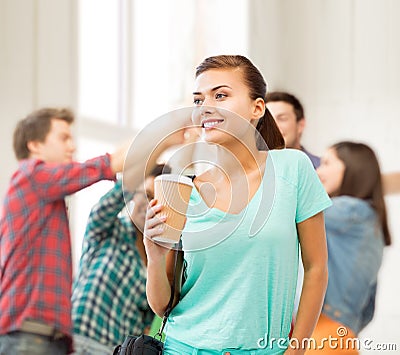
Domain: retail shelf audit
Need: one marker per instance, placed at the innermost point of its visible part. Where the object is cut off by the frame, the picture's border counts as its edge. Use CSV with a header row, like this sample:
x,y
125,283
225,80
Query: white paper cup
x,y
173,193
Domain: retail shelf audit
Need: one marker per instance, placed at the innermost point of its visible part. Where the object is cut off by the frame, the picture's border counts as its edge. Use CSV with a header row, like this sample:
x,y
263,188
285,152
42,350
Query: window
x,y
99,60
137,58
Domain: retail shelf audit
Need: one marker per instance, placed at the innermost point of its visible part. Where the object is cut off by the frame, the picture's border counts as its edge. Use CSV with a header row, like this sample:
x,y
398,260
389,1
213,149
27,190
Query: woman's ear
x,y
258,109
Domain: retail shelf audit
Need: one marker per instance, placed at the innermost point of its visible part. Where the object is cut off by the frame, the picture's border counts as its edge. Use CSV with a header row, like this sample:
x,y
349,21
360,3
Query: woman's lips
x,y
210,123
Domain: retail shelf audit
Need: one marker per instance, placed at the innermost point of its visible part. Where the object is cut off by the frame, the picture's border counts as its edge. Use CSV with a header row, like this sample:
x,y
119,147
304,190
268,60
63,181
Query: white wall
x,y
37,65
341,58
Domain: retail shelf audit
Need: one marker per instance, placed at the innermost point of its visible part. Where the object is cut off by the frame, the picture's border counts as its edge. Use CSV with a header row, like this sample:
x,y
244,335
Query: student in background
x,y
357,232
289,116
109,294
288,113
35,249
35,246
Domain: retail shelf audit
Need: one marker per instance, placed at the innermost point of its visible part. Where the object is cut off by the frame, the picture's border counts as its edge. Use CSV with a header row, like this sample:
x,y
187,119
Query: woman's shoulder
x,y
291,164
290,156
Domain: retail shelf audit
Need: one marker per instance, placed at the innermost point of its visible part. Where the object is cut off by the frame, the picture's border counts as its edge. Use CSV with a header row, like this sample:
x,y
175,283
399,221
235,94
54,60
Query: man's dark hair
x,y
290,99
35,127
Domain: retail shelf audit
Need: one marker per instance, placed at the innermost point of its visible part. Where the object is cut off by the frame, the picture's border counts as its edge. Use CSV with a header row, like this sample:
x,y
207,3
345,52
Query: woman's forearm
x,y
312,296
158,288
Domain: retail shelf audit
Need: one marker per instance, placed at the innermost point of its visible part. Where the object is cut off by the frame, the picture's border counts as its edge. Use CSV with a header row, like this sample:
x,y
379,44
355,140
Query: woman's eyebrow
x,y
214,89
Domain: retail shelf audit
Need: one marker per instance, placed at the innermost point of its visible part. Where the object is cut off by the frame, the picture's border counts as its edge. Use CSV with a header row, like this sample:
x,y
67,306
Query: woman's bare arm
x,y
315,257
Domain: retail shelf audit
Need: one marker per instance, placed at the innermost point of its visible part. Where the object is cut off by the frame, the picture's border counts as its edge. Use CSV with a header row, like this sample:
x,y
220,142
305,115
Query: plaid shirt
x,y
35,246
109,294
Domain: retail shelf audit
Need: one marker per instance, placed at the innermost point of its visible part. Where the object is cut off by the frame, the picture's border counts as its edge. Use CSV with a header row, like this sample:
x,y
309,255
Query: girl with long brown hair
x,y
357,231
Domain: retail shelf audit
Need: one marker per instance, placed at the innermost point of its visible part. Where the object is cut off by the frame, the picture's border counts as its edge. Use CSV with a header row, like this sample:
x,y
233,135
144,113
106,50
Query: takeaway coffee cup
x,y
173,193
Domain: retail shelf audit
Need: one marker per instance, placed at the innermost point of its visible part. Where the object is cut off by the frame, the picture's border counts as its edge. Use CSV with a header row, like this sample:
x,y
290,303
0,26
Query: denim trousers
x,y
87,346
21,343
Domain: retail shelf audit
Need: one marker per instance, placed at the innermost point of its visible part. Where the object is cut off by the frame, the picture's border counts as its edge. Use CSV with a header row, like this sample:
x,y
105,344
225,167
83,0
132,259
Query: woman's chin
x,y
214,136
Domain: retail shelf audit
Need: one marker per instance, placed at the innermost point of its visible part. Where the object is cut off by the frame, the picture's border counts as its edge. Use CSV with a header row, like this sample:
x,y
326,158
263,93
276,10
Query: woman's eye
x,y
220,96
197,101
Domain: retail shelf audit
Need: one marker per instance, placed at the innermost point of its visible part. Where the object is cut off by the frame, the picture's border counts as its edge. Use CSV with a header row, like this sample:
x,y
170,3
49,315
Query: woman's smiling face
x,y
224,108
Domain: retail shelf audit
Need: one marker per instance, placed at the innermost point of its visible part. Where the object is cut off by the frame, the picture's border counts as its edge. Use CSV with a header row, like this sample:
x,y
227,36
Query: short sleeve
x,y
311,195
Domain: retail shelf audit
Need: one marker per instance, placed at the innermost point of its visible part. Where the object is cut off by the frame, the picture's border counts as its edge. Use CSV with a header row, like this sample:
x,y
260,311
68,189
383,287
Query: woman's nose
x,y
206,108
200,112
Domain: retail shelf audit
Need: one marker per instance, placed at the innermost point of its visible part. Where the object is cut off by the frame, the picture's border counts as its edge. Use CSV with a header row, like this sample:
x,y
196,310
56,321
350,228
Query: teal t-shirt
x,y
242,268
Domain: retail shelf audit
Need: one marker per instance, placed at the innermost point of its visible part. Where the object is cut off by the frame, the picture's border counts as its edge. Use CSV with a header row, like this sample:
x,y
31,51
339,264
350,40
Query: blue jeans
x,y
87,346
175,347
21,343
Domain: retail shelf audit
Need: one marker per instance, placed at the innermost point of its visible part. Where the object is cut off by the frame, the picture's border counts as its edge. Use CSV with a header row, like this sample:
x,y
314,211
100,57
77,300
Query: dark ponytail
x,y
252,77
269,133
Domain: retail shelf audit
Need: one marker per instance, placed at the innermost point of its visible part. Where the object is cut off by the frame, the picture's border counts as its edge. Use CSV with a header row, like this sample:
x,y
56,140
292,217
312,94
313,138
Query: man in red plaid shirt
x,y
35,248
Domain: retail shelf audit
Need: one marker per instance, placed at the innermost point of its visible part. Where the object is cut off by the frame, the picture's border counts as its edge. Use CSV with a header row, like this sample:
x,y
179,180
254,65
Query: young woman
x,y
357,232
246,218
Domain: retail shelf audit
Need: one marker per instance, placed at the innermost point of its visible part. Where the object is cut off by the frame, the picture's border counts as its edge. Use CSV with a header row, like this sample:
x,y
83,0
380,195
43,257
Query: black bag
x,y
142,345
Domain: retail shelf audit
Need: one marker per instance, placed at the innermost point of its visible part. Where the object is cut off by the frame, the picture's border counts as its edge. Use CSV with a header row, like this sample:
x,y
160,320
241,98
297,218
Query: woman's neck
x,y
239,158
